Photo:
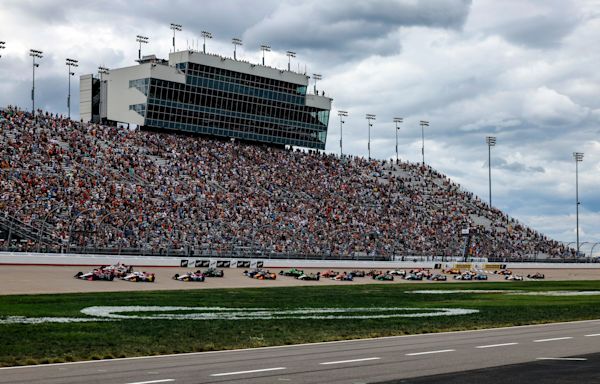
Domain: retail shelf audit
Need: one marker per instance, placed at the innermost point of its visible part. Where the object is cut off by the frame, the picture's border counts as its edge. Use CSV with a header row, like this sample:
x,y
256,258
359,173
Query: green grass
x,y
46,343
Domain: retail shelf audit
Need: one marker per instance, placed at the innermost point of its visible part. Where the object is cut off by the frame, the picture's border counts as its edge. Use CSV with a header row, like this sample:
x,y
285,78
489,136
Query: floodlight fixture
x,y
578,156
34,53
264,48
175,27
205,35
423,124
342,114
142,40
397,120
370,117
235,41
290,54
491,141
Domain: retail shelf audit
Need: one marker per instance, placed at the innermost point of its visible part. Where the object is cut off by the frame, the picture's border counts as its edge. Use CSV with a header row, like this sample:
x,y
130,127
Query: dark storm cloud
x,y
515,166
349,28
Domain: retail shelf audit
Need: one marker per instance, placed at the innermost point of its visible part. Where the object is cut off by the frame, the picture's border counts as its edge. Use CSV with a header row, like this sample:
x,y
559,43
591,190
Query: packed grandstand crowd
x,y
106,187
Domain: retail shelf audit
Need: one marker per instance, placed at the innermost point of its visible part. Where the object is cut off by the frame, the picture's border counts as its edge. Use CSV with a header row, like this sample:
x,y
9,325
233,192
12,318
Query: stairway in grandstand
x,y
22,231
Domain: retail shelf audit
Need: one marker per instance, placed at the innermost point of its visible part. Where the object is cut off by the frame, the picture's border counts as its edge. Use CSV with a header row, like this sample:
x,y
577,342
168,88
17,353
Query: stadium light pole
x,y
2,46
34,53
235,41
70,63
341,114
578,156
264,48
316,76
175,27
290,54
397,120
205,35
423,124
142,40
101,71
491,141
369,118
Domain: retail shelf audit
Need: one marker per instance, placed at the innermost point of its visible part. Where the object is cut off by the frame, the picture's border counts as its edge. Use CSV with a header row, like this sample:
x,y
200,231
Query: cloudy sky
x,y
516,69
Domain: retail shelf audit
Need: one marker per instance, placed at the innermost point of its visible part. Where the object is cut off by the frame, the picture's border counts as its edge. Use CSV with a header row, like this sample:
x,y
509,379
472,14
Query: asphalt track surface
x,y
576,370
21,279
388,359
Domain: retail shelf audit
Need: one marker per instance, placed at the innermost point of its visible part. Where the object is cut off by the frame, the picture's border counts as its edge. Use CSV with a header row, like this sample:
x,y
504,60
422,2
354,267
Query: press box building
x,y
212,95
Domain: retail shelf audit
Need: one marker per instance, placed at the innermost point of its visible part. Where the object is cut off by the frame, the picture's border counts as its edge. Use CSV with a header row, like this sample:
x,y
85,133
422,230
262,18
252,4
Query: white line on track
x,y
291,346
553,339
154,381
350,361
495,345
593,335
430,352
562,358
244,372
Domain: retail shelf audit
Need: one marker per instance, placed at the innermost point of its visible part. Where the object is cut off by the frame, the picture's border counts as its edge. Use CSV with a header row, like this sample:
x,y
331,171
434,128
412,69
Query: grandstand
x,y
85,187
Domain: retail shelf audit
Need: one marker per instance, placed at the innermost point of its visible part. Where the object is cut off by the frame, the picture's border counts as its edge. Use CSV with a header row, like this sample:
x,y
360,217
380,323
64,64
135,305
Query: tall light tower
x,y
142,40
316,76
341,114
397,120
70,63
423,124
2,46
235,41
491,141
369,118
264,48
290,54
175,27
578,156
34,53
205,35
101,71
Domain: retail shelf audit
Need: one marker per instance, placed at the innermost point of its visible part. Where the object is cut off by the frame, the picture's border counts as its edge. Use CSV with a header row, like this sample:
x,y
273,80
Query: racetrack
x,y
20,279
356,361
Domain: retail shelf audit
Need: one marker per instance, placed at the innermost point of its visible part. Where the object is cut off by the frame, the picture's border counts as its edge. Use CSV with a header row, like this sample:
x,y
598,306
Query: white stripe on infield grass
x,y
430,352
350,361
553,339
244,372
593,335
495,345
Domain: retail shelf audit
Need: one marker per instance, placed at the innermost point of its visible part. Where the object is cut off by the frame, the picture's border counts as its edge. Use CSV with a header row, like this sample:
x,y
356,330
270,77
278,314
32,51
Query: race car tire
x,y
78,274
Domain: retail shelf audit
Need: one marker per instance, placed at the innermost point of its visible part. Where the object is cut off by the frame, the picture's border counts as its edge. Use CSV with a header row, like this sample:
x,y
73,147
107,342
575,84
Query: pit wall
x,y
21,258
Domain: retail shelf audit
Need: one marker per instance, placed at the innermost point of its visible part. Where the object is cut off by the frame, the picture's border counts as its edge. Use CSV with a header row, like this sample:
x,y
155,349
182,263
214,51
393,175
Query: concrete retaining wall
x,y
20,258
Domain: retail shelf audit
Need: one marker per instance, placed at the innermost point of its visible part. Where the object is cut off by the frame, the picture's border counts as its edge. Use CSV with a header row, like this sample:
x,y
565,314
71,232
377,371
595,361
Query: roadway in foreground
x,y
359,361
570,370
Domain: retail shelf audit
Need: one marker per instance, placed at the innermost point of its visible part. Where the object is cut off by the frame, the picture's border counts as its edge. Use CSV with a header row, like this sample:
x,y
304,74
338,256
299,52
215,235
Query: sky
x,y
523,71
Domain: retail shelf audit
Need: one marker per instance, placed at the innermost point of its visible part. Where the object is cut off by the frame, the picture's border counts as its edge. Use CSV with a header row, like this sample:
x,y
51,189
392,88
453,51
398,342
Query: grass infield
x,y
53,342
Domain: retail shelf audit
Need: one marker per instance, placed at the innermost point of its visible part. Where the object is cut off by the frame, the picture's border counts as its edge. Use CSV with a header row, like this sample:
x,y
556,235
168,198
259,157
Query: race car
x,y
438,277
213,272
197,276
413,276
425,273
383,277
343,277
513,277
119,269
356,273
504,272
96,274
260,274
292,272
310,276
144,277
398,272
536,276
452,271
329,273
480,276
464,276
